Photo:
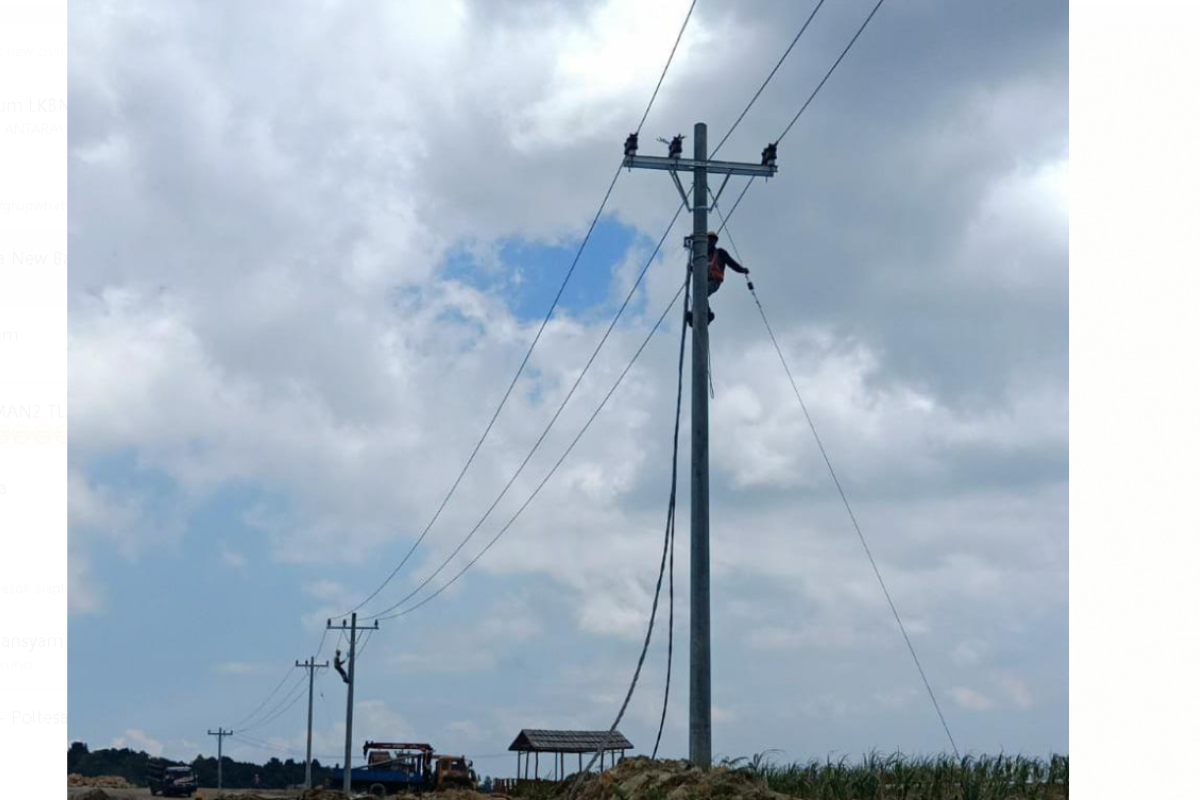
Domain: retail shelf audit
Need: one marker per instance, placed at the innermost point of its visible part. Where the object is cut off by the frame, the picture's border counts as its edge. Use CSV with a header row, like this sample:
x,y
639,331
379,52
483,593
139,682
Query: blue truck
x,y
394,767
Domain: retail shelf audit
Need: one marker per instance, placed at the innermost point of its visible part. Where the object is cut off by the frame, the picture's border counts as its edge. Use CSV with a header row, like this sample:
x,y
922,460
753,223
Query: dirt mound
x,y
94,794
461,794
319,793
641,778
101,781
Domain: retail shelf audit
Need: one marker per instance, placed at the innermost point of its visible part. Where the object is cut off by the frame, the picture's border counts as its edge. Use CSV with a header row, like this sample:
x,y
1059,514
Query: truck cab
x,y
171,780
455,771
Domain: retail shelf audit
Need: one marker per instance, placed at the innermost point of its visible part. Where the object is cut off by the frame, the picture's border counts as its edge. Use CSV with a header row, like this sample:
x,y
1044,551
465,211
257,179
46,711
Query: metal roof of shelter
x,y
543,741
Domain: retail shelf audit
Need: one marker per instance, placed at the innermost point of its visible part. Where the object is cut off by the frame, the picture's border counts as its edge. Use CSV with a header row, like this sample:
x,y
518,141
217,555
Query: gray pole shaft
x,y
700,720
312,668
220,733
349,707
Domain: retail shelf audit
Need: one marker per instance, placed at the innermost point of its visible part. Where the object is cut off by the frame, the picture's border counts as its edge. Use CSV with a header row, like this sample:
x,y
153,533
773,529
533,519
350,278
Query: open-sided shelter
x,y
559,743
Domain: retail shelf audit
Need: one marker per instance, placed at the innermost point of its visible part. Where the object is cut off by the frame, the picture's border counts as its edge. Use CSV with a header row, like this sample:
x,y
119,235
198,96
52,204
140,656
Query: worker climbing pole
x,y
703,267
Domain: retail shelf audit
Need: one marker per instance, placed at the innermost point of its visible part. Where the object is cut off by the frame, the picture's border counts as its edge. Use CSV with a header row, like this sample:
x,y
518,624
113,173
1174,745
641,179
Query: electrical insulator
x,y
675,148
631,145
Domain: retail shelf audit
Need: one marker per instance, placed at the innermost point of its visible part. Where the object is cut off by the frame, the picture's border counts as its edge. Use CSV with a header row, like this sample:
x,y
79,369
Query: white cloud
x,y
262,300
91,507
467,730
243,668
231,557
1016,690
83,594
971,700
376,719
136,739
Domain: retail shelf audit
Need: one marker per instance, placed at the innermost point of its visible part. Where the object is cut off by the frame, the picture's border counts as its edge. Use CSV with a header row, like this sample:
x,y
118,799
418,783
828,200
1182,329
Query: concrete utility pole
x,y
220,733
312,666
354,629
700,678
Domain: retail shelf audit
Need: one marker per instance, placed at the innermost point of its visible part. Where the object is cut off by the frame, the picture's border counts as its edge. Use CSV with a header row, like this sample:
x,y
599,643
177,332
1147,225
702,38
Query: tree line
x,y
132,765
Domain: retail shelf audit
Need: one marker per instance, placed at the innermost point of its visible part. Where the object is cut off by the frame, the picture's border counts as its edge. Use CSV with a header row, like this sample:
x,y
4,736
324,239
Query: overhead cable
x,y
525,361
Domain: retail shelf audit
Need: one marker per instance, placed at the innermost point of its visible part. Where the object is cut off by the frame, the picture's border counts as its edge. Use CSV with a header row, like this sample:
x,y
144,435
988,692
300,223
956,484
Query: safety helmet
x,y
713,235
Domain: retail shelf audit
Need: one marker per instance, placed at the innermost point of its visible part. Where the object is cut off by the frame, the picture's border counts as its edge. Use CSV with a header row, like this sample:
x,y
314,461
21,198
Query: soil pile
x,y
320,793
641,778
94,794
461,794
101,781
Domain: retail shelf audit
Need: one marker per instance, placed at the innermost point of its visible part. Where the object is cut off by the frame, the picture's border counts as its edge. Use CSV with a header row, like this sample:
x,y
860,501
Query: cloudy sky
x,y
311,246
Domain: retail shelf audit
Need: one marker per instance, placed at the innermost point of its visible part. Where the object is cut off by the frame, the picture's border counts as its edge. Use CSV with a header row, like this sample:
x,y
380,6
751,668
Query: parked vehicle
x,y
406,767
171,780
454,772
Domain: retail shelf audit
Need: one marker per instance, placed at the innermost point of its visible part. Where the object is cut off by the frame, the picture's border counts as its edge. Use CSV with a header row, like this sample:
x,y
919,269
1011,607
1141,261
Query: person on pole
x,y
718,260
338,664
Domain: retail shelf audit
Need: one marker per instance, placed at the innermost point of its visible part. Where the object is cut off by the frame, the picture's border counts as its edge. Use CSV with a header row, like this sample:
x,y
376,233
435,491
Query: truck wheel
x,y
377,790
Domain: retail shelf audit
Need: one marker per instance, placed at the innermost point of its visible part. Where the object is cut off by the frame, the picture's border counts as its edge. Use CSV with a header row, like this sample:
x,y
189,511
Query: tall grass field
x,y
897,777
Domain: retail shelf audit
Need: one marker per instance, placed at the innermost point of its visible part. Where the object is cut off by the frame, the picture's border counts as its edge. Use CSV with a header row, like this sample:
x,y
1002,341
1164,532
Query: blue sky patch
x,y
529,274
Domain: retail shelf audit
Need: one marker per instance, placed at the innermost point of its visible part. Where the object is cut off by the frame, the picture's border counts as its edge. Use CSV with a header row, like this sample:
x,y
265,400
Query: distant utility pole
x,y
220,733
312,666
700,684
354,629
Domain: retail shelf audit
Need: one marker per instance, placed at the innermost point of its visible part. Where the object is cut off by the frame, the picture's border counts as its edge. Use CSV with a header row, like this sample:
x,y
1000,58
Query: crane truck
x,y
407,767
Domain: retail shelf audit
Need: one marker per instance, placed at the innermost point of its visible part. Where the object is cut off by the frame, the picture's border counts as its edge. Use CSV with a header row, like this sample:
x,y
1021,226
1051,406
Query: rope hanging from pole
x,y
662,720
668,538
854,520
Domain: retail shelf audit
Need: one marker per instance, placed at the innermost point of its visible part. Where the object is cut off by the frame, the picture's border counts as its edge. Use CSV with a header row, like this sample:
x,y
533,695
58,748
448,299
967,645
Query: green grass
x,y
897,777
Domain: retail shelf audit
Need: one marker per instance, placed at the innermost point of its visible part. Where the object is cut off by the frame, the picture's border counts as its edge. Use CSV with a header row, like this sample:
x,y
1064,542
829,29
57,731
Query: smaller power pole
x,y
220,733
312,666
354,629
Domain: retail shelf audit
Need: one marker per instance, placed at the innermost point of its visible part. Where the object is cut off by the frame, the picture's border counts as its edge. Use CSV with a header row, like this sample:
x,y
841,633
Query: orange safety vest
x,y
715,271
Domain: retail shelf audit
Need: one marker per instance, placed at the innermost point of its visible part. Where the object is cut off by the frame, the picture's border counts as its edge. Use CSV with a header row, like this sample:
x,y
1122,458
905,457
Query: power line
x,y
549,314
854,521
362,648
321,644
853,39
266,700
667,66
553,469
274,691
662,721
503,400
285,750
546,431
775,69
845,501
282,707
295,698
290,698
667,537
811,96
536,338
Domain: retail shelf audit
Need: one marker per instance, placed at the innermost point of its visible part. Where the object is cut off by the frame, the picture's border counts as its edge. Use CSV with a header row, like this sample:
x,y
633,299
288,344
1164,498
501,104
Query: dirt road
x,y
74,792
